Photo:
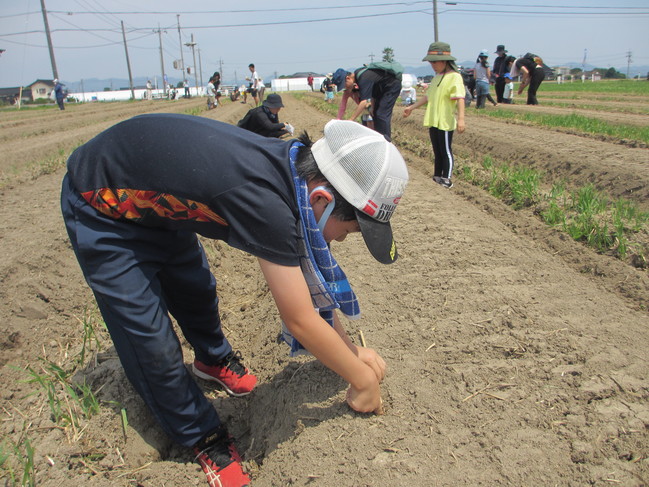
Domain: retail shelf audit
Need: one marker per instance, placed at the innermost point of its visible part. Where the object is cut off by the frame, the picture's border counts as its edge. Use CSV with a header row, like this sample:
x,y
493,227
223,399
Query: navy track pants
x,y
139,276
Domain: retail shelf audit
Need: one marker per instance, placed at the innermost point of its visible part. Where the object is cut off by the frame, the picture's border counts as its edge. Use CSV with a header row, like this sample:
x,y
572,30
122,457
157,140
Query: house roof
x,y
304,74
48,82
10,91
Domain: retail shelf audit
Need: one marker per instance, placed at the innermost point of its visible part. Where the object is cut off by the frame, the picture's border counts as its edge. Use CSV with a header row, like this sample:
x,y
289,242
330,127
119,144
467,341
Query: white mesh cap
x,y
370,173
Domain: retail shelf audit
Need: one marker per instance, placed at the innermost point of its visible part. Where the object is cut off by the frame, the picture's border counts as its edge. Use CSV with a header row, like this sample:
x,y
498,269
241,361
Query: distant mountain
x,y
424,70
94,84
633,70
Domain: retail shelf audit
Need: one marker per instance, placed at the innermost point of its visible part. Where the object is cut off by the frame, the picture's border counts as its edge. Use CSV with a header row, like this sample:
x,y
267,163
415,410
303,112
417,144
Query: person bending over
x,y
136,197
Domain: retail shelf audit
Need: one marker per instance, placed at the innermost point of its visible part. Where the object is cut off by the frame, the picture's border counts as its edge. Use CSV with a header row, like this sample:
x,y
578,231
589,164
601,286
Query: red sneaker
x,y
229,373
220,460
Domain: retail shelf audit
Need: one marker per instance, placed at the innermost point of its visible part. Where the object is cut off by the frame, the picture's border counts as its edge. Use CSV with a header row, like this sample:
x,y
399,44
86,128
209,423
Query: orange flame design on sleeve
x,y
138,205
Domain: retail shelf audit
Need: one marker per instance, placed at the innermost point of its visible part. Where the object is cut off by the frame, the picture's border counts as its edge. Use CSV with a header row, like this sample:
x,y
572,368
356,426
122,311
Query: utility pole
x,y
55,72
628,63
192,44
371,58
182,60
200,66
128,63
221,67
162,61
435,19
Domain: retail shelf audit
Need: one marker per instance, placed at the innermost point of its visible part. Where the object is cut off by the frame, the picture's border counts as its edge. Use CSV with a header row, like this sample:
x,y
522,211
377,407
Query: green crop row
x,y
616,227
621,87
589,125
69,404
588,105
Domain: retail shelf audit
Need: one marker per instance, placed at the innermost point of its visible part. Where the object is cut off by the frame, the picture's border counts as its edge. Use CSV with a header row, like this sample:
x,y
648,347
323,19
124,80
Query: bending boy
x,y
134,199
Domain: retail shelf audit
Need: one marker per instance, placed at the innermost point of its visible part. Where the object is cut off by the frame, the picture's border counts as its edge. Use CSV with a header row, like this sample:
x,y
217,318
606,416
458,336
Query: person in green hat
x,y
445,95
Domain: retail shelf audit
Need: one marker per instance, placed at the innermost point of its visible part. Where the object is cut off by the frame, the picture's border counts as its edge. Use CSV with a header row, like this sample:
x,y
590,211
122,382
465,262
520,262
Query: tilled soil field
x,y
515,355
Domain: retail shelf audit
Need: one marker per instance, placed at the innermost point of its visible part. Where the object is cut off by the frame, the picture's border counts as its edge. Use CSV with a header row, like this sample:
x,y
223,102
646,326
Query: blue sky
x,y
87,35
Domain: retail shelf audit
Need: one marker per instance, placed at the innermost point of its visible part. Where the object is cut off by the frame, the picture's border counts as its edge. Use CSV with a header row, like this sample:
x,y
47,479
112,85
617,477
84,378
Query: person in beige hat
x,y
445,95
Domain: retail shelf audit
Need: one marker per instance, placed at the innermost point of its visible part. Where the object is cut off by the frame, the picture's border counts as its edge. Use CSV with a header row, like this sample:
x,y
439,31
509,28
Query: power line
x,y
89,31
525,12
246,11
111,43
548,6
101,15
334,7
19,15
224,26
351,17
540,14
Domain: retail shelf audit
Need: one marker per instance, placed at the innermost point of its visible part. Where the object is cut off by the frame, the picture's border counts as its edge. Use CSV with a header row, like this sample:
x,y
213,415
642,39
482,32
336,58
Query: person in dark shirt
x,y
134,199
500,69
264,120
531,69
377,88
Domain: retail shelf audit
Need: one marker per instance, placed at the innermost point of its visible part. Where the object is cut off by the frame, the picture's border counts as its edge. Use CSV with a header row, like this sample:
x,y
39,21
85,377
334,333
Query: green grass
x,y
195,110
577,122
90,338
38,168
318,102
17,463
616,227
621,87
634,110
69,403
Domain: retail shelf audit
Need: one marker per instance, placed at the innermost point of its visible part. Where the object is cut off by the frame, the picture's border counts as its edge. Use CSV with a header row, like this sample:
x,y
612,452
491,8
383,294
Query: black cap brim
x,y
378,238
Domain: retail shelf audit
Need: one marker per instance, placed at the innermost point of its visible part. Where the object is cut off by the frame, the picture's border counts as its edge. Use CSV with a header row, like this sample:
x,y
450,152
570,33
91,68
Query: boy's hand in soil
x,y
331,346
365,399
374,360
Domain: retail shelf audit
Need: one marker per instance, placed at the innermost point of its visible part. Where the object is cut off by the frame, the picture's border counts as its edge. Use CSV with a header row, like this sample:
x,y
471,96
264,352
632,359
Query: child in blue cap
x,y
508,93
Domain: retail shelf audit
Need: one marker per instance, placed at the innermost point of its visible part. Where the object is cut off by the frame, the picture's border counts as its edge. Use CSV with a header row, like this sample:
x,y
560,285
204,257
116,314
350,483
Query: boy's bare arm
x,y
293,301
369,356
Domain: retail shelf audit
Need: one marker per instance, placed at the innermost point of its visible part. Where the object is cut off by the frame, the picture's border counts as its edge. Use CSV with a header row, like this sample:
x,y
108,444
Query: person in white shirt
x,y
261,88
211,94
253,88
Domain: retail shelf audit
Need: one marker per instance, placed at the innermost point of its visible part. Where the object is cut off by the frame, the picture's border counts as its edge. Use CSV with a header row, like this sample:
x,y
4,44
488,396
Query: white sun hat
x,y
370,173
